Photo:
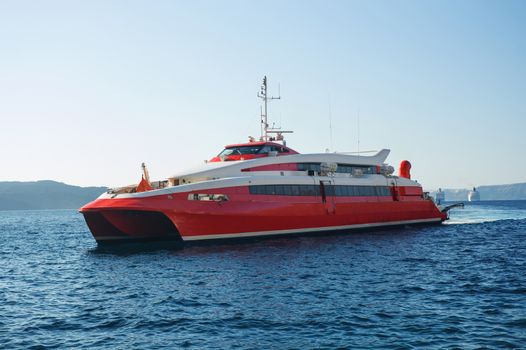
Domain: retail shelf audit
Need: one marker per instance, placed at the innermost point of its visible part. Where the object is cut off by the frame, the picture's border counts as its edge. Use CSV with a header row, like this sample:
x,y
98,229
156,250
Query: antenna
x,y
358,130
263,94
265,130
330,121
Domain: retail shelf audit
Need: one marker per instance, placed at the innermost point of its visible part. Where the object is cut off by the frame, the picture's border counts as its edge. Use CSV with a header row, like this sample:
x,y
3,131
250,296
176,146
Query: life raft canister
x,y
405,169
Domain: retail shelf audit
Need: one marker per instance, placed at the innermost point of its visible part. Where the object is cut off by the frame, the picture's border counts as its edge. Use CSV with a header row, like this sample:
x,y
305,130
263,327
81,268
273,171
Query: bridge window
x,y
232,151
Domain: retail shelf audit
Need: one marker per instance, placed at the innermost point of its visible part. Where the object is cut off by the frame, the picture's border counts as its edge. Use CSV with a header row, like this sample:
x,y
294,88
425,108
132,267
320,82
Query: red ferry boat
x,y
263,188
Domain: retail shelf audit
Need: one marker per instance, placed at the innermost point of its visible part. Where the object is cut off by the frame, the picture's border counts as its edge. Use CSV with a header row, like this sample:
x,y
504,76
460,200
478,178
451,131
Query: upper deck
x,y
298,164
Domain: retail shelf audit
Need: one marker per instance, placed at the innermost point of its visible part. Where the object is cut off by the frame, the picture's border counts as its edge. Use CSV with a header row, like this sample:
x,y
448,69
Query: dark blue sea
x,y
461,285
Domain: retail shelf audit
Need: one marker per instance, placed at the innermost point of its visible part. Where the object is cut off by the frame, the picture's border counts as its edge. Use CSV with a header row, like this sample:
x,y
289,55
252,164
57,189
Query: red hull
x,y
245,215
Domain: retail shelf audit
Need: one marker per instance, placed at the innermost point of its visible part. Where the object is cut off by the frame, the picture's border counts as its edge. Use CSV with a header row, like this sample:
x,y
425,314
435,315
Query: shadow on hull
x,y
118,226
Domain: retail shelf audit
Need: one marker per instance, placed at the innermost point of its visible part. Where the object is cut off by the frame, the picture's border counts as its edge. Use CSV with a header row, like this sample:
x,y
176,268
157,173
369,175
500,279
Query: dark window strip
x,y
342,168
314,190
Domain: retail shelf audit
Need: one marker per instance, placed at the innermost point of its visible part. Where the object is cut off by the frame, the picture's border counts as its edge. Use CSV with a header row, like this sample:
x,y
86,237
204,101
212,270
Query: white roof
x,y
215,170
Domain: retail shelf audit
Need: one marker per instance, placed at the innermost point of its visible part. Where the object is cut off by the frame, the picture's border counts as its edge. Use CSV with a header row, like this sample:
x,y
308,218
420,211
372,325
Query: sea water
x,y
459,285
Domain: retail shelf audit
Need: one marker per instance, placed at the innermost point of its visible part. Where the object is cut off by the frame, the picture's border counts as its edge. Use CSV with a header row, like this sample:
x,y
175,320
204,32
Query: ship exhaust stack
x,y
405,169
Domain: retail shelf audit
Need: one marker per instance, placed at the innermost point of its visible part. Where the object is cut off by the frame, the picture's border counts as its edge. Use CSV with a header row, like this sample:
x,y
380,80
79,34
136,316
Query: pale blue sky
x,y
90,89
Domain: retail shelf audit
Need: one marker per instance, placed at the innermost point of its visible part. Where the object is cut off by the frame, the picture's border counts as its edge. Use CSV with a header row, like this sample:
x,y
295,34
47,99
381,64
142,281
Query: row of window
x,y
351,169
286,190
315,190
361,191
342,168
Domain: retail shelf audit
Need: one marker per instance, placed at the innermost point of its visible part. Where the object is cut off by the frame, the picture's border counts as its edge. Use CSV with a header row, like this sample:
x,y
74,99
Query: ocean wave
x,y
446,286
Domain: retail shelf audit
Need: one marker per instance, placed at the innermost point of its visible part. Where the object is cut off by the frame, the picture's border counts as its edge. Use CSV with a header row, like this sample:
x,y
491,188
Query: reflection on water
x,y
129,248
249,245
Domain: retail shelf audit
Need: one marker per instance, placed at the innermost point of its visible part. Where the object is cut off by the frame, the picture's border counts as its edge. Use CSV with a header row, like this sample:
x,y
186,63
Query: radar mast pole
x,y
263,95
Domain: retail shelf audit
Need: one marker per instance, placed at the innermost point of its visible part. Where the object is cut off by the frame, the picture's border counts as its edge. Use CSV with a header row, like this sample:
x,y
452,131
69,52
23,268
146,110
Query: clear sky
x,y
90,89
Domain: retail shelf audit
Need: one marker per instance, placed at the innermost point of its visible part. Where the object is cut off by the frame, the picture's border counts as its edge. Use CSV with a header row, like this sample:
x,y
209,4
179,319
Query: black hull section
x,y
130,225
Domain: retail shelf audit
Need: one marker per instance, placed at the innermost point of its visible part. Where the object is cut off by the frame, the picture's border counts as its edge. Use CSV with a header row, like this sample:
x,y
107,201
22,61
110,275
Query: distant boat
x,y
474,195
440,197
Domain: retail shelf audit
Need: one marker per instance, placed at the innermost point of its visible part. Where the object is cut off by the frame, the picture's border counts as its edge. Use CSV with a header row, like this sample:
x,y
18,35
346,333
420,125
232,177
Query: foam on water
x,y
487,211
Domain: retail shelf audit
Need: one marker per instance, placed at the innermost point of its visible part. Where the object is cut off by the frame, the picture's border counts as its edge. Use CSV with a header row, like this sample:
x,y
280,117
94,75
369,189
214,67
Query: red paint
x,y
411,191
395,193
405,169
236,157
251,213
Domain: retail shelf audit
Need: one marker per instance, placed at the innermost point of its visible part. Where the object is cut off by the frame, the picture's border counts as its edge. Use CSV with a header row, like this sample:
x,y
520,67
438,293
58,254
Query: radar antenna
x,y
265,129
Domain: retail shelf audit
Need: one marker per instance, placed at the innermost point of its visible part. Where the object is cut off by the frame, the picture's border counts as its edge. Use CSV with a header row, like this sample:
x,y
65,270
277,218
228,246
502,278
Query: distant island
x,y
488,193
47,194
16,195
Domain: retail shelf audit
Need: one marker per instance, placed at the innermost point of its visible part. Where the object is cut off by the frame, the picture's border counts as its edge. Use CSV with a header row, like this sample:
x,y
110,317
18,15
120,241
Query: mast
x,y
265,130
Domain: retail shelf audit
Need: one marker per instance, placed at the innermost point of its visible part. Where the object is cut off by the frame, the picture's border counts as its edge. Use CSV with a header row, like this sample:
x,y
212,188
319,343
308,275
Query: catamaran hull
x,y
153,219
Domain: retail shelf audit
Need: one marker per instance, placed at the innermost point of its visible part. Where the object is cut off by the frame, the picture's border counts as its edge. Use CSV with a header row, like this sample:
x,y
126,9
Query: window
x,y
309,166
257,190
265,149
270,189
342,168
358,191
295,190
207,197
232,151
364,191
382,191
309,190
349,169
